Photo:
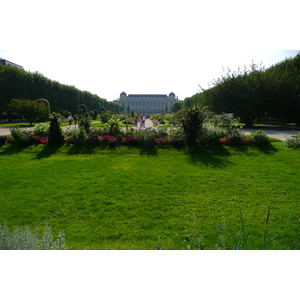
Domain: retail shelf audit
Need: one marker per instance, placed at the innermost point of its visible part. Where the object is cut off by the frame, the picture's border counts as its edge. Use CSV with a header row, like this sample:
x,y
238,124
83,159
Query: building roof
x,y
147,96
9,63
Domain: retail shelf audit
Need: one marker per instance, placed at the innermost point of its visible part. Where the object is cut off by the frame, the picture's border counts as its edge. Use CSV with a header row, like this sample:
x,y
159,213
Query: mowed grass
x,y
132,198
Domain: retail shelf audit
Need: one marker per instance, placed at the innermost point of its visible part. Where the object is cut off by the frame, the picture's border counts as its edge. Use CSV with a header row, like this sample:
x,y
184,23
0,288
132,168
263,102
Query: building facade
x,y
147,103
5,62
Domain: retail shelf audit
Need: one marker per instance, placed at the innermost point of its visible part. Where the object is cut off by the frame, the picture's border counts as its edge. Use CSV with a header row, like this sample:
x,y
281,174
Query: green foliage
x,y
46,103
36,86
146,138
212,137
95,114
26,239
41,130
31,110
192,120
113,127
20,137
260,138
235,137
105,117
293,142
177,106
85,123
55,133
255,93
79,136
284,81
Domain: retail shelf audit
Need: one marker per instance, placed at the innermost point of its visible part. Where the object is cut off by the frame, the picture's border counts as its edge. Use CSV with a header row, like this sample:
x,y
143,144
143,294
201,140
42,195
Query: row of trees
x,y
254,93
19,84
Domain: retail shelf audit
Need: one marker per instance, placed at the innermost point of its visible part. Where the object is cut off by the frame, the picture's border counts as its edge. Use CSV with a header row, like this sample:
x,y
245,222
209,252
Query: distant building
x,y
147,103
5,62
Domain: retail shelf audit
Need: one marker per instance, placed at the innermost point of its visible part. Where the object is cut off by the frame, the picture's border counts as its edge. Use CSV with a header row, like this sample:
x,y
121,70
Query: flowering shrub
x,y
21,137
228,141
69,140
40,140
209,137
234,138
159,140
106,139
130,140
41,130
95,139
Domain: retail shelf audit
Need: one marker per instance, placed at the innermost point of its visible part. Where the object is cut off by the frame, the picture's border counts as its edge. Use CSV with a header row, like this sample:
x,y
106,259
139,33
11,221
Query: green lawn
x,y
133,198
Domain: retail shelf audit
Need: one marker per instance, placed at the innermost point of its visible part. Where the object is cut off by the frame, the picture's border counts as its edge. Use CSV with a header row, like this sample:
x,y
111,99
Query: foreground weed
x,y
25,239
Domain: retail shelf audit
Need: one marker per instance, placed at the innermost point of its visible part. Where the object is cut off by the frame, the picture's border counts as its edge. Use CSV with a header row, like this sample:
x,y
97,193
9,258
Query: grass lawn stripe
x,y
126,198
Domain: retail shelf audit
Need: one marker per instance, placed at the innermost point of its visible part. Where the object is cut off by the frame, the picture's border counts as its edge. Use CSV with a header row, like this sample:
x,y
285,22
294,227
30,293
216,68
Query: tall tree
x,y
31,110
241,92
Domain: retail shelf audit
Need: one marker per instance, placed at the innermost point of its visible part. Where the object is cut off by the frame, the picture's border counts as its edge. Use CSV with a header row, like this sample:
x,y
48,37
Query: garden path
x,y
276,134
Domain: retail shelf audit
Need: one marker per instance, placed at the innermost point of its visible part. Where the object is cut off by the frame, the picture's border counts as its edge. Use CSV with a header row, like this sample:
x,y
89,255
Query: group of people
x,y
141,119
70,119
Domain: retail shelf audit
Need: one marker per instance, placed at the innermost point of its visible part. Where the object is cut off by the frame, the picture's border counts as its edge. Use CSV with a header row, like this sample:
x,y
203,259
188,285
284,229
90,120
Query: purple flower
x,y
220,226
157,248
221,246
238,248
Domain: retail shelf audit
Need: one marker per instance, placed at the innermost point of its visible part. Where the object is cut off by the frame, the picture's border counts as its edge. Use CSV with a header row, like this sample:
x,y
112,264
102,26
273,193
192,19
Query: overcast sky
x,y
106,47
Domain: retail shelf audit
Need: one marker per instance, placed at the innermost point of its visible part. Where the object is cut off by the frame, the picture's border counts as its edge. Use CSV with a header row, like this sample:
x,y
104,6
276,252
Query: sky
x,y
147,47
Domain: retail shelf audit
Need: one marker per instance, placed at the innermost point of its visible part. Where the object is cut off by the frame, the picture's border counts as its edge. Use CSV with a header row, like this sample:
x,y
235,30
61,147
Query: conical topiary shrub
x,y
55,133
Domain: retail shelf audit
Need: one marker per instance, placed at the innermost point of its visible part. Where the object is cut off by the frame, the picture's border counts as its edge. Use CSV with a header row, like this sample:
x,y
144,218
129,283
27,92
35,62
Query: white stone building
x,y
147,103
5,62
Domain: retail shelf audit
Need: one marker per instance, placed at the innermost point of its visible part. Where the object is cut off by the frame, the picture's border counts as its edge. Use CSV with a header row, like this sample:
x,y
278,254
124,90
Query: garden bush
x,y
192,120
113,127
234,137
260,138
79,136
146,138
293,142
55,133
20,137
41,130
85,123
211,137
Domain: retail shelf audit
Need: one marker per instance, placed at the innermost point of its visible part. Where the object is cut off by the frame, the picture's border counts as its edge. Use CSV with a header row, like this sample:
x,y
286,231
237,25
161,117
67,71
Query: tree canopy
x,y
31,110
19,84
255,93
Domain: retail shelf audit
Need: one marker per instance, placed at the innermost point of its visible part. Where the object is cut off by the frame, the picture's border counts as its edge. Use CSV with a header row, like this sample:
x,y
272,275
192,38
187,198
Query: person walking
x,y
70,120
144,121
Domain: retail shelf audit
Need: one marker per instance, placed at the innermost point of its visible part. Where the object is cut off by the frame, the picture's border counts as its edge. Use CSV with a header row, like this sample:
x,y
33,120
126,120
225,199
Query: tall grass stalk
x,y
26,239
